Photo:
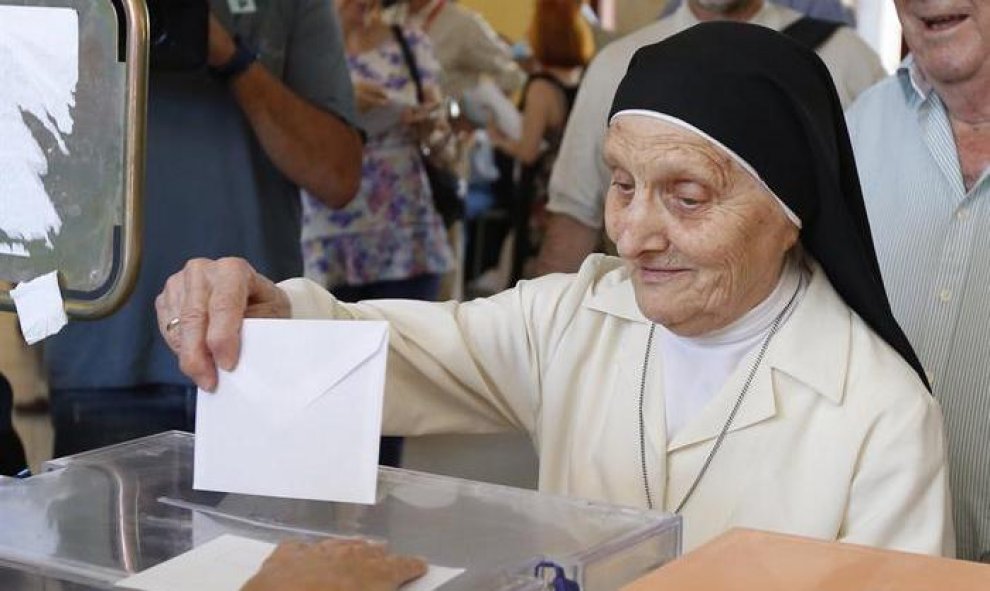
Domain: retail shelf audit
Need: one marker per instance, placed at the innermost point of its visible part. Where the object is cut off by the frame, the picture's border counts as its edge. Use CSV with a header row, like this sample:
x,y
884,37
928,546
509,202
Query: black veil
x,y
772,102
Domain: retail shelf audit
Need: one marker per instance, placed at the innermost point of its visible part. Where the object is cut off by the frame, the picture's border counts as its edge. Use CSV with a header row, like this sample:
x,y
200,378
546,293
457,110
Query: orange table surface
x,y
747,560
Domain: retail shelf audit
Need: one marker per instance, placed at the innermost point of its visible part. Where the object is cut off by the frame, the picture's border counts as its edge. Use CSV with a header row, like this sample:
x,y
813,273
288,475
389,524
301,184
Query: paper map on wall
x,y
39,70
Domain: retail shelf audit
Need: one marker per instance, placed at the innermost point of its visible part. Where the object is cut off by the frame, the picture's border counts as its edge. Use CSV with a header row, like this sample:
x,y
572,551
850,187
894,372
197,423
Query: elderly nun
x,y
737,363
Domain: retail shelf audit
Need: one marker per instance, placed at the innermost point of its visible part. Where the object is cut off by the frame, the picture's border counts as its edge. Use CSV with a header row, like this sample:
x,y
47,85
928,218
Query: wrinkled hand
x,y
369,95
221,46
210,299
422,115
334,565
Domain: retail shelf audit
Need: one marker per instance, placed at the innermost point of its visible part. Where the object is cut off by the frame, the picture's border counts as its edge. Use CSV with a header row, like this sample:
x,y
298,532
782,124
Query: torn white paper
x,y
39,307
39,70
226,564
14,250
300,416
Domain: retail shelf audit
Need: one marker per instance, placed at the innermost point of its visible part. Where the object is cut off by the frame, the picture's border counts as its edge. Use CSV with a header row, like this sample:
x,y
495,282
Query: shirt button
x,y
930,375
945,295
962,214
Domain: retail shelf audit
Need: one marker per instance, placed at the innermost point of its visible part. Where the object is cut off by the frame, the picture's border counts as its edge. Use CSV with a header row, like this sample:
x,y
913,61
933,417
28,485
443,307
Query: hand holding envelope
x,y
300,416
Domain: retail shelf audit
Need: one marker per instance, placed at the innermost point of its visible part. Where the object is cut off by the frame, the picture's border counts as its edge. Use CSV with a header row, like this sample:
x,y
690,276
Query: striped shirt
x,y
933,240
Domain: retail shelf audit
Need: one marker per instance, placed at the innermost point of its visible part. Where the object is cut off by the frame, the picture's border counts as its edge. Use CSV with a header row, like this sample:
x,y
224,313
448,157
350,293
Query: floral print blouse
x,y
390,231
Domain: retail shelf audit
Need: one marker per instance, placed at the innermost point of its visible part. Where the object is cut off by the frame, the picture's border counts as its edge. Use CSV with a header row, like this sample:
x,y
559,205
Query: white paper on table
x,y
40,310
487,96
226,563
223,564
39,70
300,416
434,577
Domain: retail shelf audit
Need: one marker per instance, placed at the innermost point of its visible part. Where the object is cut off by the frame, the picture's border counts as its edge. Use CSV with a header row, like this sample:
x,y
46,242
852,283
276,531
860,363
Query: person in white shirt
x,y
579,180
922,145
738,363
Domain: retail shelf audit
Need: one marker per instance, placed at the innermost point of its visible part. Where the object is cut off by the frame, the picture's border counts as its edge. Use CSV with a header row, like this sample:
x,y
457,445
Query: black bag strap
x,y
811,32
410,60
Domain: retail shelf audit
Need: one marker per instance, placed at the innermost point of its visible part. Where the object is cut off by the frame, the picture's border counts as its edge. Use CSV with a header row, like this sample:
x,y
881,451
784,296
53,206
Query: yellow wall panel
x,y
508,17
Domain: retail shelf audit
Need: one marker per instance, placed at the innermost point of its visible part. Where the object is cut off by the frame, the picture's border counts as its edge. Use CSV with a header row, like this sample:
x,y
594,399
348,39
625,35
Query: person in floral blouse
x,y
389,242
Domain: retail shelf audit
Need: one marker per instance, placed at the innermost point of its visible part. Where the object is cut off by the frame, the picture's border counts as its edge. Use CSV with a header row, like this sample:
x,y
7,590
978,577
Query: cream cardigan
x,y
837,438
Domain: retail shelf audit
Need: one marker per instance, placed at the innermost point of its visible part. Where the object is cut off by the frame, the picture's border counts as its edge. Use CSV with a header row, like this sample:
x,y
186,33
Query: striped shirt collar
x,y
914,82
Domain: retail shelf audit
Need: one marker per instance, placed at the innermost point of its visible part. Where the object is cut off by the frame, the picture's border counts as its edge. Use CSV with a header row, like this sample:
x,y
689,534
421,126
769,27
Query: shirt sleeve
x,y
453,367
316,68
899,496
482,51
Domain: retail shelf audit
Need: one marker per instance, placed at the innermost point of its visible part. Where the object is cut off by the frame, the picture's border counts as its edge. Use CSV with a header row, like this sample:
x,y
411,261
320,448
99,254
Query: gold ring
x,y
172,324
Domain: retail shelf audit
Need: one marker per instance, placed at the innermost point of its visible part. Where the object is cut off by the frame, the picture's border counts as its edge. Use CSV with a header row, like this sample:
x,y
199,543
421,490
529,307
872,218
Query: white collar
x,y
820,361
913,79
757,321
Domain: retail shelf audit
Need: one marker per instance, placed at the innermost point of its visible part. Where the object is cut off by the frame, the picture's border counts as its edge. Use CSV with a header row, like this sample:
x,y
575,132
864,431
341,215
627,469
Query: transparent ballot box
x,y
93,519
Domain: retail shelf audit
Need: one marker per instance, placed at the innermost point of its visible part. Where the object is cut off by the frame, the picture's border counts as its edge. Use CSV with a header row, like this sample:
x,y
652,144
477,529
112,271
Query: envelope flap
x,y
297,361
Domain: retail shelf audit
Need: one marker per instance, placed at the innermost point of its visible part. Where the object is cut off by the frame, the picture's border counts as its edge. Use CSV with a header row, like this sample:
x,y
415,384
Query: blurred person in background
x,y
479,71
466,46
334,565
12,459
580,180
389,242
229,147
829,10
561,46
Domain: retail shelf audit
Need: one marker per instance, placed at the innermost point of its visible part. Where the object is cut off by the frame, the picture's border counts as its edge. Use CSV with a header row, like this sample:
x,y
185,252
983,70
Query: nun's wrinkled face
x,y
705,242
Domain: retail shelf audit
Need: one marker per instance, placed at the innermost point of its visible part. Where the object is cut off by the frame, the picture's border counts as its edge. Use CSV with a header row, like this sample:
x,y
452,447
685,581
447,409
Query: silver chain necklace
x,y
732,415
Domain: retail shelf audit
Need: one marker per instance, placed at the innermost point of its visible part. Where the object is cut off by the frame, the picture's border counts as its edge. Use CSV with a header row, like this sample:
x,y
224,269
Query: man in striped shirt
x,y
922,144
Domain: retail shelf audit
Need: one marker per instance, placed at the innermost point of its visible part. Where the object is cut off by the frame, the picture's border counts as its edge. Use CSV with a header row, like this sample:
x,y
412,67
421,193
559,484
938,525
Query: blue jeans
x,y
421,287
86,419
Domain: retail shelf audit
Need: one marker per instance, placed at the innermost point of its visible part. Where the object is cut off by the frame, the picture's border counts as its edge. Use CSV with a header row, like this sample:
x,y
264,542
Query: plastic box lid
x,y
98,517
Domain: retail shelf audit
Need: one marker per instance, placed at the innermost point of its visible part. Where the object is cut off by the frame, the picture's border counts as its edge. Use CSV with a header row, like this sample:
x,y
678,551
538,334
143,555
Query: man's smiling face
x,y
950,39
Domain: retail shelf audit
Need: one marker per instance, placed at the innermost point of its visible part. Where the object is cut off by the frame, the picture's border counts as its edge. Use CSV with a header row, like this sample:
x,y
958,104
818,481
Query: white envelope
x,y
300,416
